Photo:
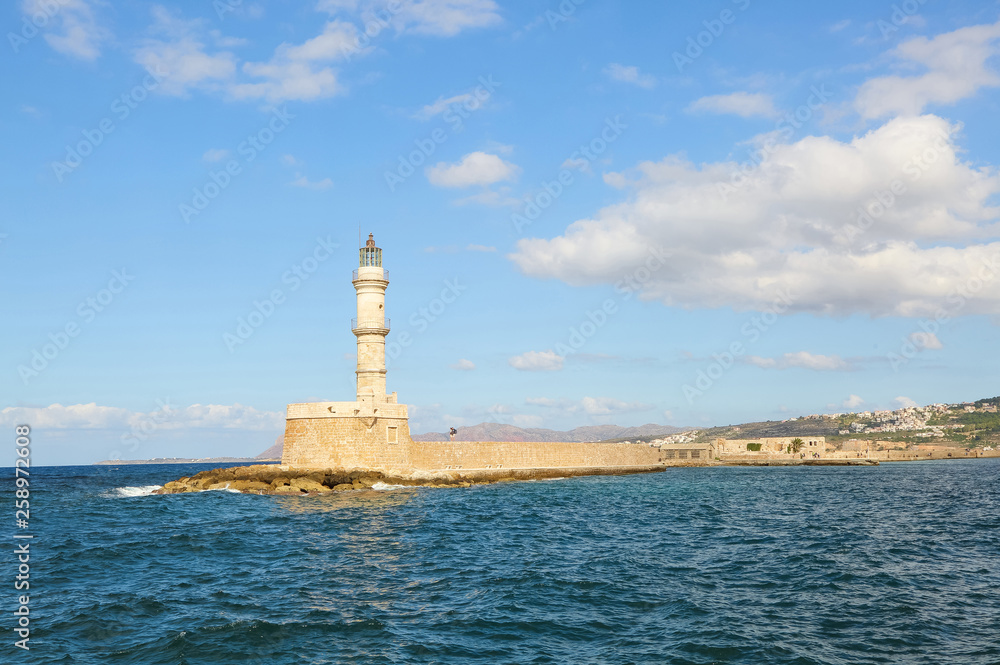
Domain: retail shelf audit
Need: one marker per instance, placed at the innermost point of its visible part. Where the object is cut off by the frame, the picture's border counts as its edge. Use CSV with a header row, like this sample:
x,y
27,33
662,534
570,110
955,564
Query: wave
x,y
222,489
382,487
142,490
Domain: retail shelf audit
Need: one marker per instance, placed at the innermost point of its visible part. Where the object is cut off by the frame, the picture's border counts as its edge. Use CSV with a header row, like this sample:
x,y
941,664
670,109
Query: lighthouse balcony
x,y
373,325
385,274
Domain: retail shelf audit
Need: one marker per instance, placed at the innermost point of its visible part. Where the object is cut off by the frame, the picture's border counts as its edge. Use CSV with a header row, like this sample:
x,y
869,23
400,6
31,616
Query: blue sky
x,y
681,213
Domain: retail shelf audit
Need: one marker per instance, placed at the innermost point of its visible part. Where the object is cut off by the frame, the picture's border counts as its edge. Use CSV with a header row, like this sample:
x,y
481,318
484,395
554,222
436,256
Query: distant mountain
x,y
499,432
274,452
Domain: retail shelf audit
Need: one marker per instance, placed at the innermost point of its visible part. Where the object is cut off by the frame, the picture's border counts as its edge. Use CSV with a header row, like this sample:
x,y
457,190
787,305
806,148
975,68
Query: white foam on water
x,y
223,489
143,490
382,487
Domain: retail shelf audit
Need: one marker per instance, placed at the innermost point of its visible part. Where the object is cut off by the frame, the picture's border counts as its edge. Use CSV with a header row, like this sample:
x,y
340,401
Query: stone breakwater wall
x,y
492,455
375,435
914,455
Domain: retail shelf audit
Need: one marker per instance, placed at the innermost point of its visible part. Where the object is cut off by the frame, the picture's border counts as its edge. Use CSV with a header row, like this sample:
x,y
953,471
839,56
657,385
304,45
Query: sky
x,y
591,212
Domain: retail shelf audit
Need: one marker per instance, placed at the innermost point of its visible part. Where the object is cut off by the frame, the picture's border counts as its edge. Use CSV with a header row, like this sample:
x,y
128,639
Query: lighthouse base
x,y
371,433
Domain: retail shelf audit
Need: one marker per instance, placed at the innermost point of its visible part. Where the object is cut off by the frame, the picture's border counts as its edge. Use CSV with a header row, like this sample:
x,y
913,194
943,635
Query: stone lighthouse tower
x,y
371,325
372,432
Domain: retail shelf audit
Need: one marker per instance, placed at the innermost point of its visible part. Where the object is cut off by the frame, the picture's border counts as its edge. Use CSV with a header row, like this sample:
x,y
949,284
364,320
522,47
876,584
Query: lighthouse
x,y
371,324
373,431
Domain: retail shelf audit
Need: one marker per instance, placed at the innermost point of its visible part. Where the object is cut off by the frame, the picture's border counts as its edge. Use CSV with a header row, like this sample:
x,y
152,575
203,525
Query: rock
x,y
270,479
250,486
223,475
309,485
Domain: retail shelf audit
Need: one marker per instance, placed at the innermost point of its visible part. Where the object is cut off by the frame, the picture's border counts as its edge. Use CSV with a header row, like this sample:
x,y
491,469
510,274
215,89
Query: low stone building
x,y
779,446
692,452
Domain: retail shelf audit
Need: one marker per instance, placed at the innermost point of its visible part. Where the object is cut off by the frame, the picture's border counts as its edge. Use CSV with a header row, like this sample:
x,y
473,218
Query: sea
x,y
898,563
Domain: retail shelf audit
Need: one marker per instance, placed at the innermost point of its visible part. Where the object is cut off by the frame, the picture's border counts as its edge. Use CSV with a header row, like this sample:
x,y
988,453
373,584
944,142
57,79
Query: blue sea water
x,y
889,564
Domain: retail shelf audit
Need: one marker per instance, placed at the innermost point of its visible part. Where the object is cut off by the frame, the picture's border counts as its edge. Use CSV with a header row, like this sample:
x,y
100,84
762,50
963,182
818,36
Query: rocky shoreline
x,y
273,479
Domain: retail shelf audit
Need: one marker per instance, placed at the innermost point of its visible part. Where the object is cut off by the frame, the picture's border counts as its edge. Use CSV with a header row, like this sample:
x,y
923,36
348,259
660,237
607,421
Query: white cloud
x,y
93,416
443,104
297,72
180,57
606,406
743,104
476,168
334,6
431,17
235,416
215,154
449,17
578,163
285,81
853,402
537,361
72,28
499,148
592,406
818,362
629,74
306,183
464,365
549,402
480,248
294,72
226,41
338,41
536,22
905,402
926,340
956,68
526,420
840,25
786,228
801,359
492,198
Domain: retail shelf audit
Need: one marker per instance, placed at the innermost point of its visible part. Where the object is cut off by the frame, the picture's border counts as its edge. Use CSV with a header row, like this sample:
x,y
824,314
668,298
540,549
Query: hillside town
x,y
929,421
962,425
